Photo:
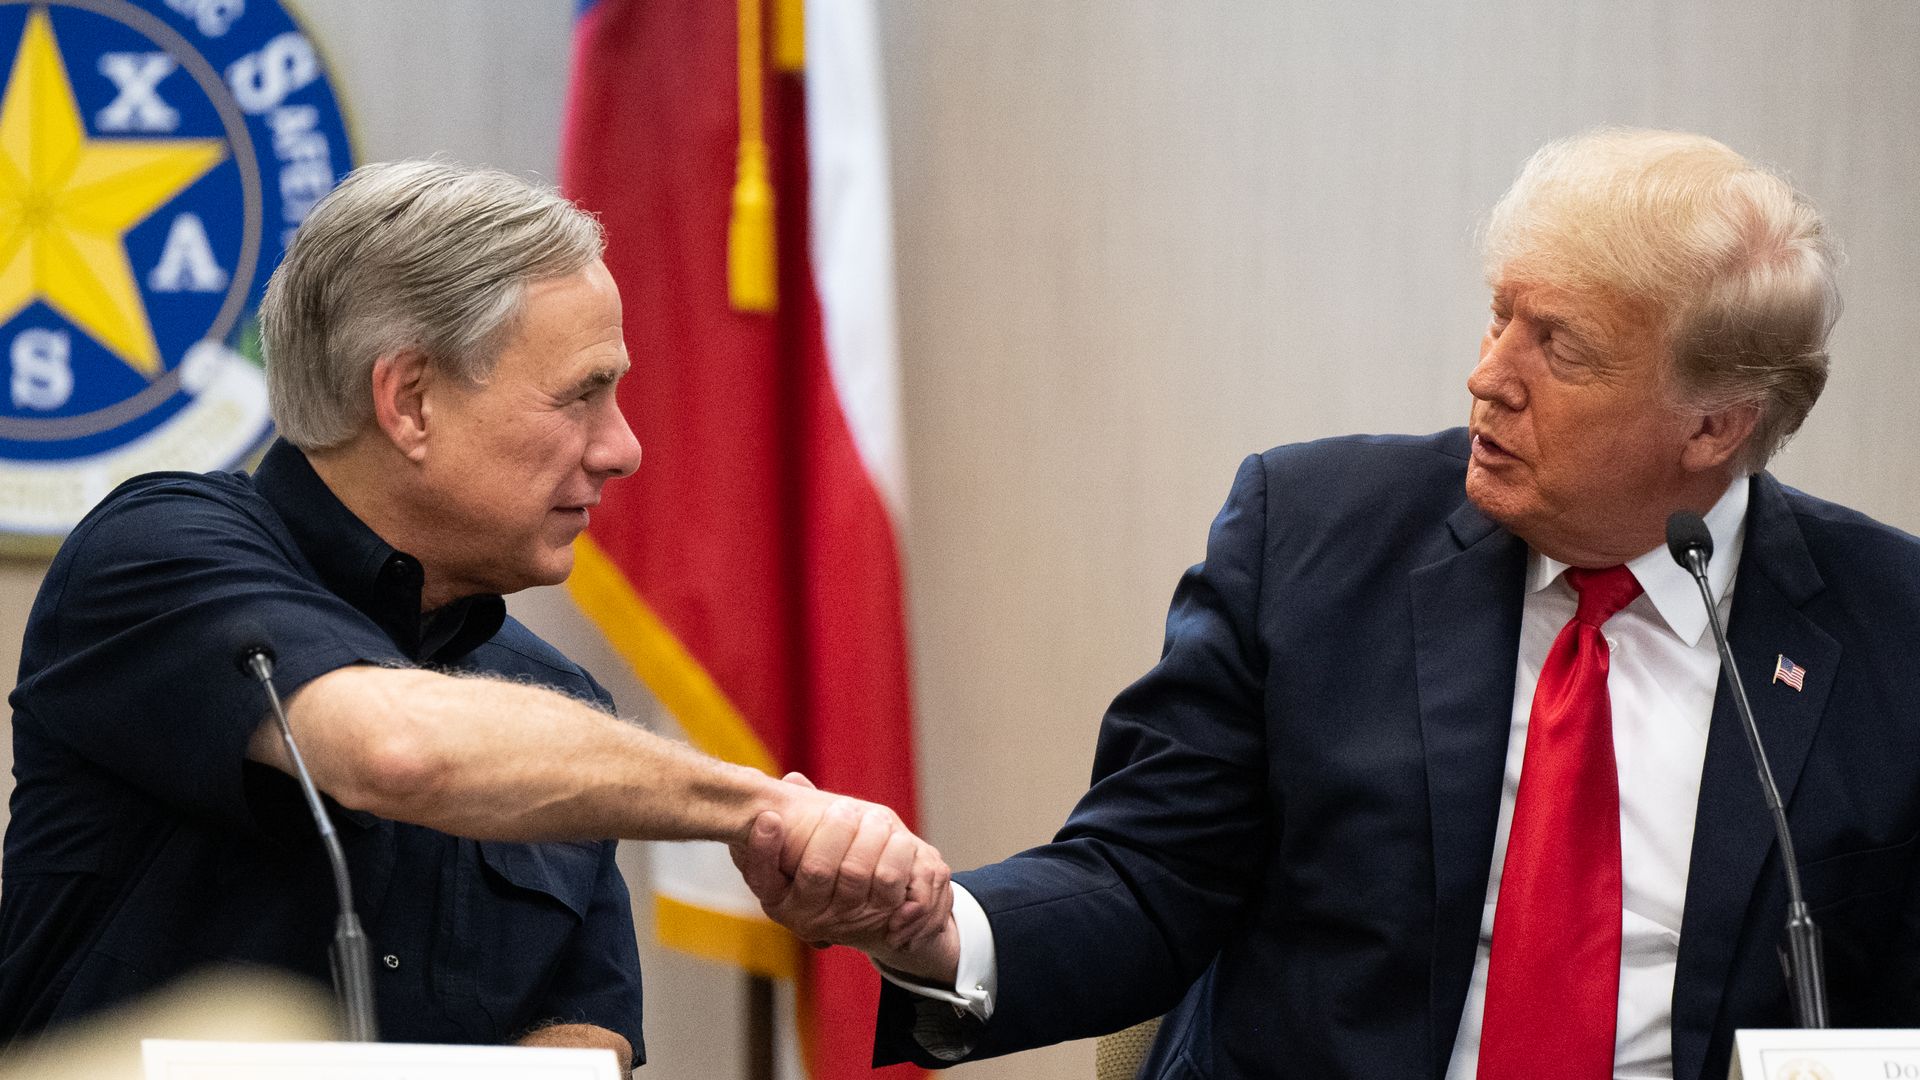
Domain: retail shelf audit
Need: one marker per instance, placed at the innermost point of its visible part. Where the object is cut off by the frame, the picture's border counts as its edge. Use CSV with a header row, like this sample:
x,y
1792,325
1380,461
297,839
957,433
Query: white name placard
x,y
172,1059
1826,1055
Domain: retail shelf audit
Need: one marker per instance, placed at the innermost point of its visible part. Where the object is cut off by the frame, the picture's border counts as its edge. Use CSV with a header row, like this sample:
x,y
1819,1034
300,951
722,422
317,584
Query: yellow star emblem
x,y
67,201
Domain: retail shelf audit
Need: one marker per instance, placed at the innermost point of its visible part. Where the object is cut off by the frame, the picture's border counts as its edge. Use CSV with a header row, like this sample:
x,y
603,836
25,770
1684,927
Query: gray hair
x,y
427,255
1734,264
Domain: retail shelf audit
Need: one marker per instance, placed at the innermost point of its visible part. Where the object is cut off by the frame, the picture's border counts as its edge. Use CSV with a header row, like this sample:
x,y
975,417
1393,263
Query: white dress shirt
x,y
1661,680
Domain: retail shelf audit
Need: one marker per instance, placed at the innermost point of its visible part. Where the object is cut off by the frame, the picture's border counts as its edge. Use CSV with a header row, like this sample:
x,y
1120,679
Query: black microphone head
x,y
249,640
1686,531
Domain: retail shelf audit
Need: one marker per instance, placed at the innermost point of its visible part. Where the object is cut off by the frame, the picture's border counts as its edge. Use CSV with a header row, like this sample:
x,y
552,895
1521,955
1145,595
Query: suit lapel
x,y
1733,833
1466,618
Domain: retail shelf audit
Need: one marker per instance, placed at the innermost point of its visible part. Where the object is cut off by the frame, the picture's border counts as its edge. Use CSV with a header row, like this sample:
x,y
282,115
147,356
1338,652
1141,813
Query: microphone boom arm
x,y
1805,966
349,956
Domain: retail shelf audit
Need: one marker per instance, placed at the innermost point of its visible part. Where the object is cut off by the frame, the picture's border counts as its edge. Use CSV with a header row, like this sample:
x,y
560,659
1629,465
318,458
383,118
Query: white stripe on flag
x,y
701,873
851,218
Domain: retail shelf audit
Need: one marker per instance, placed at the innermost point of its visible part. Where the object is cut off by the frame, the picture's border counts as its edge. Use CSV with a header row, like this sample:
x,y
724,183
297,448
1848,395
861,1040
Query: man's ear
x,y
1719,436
401,380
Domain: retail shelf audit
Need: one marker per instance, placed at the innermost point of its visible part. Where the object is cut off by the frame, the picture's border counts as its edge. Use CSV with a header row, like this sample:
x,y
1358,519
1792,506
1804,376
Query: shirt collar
x,y
1669,588
366,571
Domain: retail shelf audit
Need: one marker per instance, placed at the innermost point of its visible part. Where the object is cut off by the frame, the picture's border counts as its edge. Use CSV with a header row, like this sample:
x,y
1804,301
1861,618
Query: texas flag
x,y
750,571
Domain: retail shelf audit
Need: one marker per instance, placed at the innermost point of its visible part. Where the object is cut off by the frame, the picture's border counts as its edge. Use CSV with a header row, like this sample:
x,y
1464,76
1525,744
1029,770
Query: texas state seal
x,y
155,157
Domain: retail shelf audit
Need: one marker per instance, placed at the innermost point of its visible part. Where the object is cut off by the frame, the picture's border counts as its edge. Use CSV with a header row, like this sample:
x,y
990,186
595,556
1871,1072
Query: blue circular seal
x,y
155,158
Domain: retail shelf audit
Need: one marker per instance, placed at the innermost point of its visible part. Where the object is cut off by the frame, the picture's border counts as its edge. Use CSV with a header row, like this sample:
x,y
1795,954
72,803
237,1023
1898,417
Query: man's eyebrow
x,y
597,379
1587,331
1583,328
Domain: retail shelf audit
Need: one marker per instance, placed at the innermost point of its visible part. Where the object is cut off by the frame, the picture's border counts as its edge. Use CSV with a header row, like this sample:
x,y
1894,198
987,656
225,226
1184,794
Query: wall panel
x,y
1138,240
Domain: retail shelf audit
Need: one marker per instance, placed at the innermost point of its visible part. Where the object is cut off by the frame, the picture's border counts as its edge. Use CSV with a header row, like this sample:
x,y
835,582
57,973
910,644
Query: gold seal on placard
x,y
1803,1069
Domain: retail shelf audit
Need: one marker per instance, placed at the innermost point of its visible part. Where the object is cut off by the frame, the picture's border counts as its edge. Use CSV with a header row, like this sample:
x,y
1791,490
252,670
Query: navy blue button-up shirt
x,y
144,844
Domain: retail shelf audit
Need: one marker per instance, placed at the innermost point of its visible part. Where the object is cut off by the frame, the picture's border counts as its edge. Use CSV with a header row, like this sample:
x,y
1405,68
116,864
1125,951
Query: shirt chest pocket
x,y
517,909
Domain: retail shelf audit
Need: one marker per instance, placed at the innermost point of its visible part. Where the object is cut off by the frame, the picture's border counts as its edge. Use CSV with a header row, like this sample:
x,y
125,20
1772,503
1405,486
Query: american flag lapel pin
x,y
1786,671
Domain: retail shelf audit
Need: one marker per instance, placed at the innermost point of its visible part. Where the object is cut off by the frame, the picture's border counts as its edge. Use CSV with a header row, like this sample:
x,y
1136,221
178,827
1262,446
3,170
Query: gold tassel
x,y
790,35
750,251
751,277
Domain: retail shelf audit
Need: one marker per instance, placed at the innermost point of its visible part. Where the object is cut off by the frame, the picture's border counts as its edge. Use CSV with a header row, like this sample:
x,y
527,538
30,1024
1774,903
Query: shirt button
x,y
392,961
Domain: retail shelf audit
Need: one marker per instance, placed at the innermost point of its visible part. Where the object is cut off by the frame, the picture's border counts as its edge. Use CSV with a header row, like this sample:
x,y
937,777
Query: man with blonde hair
x,y
1433,777
442,348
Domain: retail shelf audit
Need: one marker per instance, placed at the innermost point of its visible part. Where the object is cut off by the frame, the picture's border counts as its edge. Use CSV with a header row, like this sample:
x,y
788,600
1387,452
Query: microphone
x,y
1691,545
1687,536
349,956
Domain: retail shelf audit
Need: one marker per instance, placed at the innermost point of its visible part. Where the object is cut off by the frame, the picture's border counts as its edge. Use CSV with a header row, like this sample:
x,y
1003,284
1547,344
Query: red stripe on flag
x,y
752,530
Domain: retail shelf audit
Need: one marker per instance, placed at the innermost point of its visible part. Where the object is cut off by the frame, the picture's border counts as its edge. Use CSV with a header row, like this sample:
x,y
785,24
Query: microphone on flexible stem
x,y
1692,545
351,961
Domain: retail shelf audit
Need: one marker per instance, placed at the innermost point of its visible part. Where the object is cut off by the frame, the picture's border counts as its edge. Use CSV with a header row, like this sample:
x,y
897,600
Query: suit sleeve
x,y
1110,922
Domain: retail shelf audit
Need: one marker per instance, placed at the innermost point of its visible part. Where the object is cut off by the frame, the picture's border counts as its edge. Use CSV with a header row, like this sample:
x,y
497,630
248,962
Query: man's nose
x,y
614,451
1496,378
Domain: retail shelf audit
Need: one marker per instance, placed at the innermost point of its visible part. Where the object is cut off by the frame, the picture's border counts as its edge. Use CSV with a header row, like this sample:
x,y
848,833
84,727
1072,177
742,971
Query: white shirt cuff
x,y
978,975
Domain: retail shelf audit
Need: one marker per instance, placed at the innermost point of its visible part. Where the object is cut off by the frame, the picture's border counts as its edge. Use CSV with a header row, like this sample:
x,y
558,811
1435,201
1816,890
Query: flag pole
x,y
759,1027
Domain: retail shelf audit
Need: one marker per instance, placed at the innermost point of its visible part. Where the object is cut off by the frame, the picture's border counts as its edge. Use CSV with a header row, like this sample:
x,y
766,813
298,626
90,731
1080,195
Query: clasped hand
x,y
838,871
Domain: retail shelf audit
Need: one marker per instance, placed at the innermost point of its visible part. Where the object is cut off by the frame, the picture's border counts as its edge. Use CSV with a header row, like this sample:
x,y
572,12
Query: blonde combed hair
x,y
1736,266
428,255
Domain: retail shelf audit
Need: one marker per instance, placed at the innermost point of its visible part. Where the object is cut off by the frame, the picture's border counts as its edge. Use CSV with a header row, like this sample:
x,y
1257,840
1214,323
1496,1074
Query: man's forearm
x,y
498,760
585,1036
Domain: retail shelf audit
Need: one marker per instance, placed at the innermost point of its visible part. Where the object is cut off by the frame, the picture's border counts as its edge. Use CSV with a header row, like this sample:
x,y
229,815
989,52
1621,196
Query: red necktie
x,y
1553,980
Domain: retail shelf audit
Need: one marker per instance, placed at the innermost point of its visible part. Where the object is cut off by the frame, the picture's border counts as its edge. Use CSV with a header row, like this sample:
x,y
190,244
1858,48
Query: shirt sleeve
x,y
597,980
129,658
942,1025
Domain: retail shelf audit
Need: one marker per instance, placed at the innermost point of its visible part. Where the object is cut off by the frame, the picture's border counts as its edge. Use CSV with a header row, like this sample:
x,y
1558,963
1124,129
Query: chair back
x,y
1118,1056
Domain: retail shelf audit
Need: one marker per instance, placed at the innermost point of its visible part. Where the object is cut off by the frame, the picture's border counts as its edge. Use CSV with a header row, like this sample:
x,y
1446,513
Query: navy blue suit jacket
x,y
1291,820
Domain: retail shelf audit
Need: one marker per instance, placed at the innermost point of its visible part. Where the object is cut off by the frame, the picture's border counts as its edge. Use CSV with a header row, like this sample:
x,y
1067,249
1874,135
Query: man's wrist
x,y
934,962
740,794
972,981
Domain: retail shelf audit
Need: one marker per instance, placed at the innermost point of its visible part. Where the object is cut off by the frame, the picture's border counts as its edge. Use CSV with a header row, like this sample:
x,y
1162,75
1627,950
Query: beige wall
x,y
1139,240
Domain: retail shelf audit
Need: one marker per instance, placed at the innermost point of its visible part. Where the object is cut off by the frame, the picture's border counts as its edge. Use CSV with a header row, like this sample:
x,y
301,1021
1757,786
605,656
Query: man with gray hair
x,y
442,349
1433,778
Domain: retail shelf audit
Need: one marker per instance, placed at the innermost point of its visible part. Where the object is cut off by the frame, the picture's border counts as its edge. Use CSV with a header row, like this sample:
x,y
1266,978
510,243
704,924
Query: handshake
x,y
838,871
